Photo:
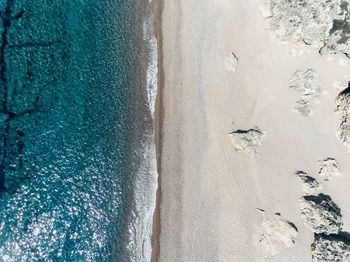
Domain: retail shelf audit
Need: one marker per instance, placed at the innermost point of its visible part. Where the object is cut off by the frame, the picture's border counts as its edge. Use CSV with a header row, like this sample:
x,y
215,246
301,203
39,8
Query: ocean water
x,y
77,158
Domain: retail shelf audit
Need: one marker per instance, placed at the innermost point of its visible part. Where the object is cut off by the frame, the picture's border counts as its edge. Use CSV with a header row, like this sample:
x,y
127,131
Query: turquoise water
x,y
76,130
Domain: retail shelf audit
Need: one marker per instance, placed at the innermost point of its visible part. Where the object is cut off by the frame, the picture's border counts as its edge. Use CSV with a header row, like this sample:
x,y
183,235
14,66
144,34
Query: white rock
x,y
339,85
321,214
231,61
343,109
303,21
266,8
331,248
277,233
304,107
329,168
343,132
247,141
307,83
339,39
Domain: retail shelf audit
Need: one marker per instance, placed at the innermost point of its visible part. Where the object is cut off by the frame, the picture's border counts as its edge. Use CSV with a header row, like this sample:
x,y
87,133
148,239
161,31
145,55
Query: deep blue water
x,y
74,116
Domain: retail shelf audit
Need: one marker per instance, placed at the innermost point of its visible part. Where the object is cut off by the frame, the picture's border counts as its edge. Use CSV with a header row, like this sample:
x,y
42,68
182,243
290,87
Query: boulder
x,y
321,214
331,248
343,109
277,233
329,168
307,83
247,141
310,184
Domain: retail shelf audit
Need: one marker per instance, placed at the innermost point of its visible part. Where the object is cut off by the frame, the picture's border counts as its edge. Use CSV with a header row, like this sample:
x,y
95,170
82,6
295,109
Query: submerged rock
x,y
231,61
343,109
331,248
246,141
310,184
303,21
329,168
321,214
277,233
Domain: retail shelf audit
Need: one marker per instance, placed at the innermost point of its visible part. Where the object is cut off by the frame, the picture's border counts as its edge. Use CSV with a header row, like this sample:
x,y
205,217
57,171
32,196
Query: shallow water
x,y
76,129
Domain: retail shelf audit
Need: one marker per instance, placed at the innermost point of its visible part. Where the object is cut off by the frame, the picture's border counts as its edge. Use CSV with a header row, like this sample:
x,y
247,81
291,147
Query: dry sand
x,y
210,192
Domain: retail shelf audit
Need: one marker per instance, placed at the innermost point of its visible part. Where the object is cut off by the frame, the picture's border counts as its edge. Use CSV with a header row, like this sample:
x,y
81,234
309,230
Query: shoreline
x,y
156,7
207,191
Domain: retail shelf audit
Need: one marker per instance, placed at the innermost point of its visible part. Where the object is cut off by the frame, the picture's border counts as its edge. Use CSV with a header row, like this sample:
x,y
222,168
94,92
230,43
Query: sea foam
x,y
146,185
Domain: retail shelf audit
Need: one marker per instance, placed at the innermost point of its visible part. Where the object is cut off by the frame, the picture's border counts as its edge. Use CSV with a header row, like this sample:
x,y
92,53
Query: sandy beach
x,y
209,191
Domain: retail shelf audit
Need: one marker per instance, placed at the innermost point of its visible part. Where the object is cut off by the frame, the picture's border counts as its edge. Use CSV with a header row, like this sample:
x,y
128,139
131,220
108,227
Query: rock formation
x,y
310,184
329,168
277,233
331,248
339,85
321,214
292,22
343,109
324,24
339,39
247,141
323,217
308,85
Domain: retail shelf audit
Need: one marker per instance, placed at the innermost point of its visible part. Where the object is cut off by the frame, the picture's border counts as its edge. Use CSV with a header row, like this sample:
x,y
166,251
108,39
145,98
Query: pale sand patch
x,y
209,191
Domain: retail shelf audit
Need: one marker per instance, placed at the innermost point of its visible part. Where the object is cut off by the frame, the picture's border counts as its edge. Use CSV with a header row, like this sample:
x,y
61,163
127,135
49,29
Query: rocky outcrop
x,y
329,168
321,214
331,248
343,109
339,39
231,61
310,184
324,24
323,217
308,85
247,141
302,21
277,233
339,85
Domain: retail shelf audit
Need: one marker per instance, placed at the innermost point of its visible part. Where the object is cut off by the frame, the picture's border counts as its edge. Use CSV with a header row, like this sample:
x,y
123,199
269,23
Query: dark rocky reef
x,y
23,79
